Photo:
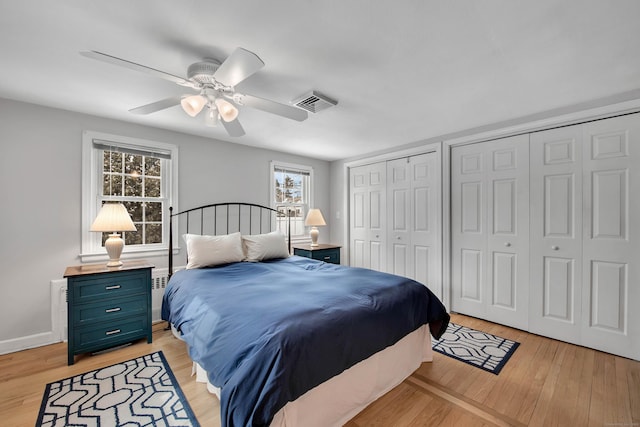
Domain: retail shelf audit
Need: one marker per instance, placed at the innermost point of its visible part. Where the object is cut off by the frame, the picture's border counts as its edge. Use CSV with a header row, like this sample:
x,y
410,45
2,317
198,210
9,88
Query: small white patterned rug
x,y
480,349
138,392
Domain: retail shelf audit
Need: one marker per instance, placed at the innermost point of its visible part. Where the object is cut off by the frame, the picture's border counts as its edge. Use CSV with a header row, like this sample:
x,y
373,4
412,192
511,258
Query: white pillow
x,y
206,251
260,247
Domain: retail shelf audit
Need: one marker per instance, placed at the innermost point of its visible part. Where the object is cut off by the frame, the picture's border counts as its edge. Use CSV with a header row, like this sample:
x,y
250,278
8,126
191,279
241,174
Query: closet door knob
x,y
555,248
399,238
377,236
507,244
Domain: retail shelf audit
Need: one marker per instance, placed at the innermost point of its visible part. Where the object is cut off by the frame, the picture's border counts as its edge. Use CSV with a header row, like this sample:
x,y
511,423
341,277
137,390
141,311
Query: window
x,y
139,174
291,193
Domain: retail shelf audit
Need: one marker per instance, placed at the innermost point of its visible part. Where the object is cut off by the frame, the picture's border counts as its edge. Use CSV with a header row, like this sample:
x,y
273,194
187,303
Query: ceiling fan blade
x,y
237,67
273,107
234,128
137,67
157,106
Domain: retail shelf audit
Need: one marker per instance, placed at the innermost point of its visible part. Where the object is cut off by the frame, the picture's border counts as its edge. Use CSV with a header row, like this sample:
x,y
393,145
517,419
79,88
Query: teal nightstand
x,y
322,252
107,306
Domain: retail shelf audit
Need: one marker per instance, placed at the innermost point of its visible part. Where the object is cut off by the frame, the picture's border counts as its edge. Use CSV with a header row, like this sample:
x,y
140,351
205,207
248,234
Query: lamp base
x,y
117,263
114,245
314,233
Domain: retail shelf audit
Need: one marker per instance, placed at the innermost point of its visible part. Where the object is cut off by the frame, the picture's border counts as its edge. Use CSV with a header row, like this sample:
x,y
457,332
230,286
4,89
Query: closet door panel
x,y
611,292
507,181
399,214
422,261
376,256
367,216
423,209
375,233
558,289
425,205
468,230
556,233
358,206
609,296
471,279
559,201
504,280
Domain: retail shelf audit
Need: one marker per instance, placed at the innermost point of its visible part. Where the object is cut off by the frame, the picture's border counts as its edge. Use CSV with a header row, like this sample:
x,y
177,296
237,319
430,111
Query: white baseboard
x,y
30,341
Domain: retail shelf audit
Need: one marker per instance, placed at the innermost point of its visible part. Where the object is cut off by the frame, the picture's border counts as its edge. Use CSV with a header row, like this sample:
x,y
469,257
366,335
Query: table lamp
x,y
315,220
113,217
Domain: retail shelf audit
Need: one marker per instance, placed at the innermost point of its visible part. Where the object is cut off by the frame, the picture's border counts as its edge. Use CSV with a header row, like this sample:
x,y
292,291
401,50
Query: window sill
x,y
128,254
300,240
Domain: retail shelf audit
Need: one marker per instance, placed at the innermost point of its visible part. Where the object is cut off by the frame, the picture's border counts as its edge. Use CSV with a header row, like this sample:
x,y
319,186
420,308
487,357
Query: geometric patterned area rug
x,y
138,392
480,349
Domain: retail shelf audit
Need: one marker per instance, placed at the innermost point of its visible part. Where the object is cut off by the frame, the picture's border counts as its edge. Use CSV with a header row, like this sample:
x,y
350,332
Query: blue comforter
x,y
268,332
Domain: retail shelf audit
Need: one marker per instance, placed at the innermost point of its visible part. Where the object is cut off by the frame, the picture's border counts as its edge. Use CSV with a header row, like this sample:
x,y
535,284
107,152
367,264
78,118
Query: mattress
x,y
339,399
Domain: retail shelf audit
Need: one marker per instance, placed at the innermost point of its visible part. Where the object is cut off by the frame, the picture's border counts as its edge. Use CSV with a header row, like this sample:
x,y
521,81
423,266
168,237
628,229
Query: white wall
x,y
40,194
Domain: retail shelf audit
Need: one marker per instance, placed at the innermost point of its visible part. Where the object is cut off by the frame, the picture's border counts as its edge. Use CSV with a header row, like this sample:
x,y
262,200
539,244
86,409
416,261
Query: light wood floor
x,y
546,383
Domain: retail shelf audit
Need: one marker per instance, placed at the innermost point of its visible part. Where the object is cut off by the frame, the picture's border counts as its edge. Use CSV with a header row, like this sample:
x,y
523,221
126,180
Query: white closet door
x,y
468,229
508,231
368,216
426,202
611,229
556,233
490,230
399,216
413,195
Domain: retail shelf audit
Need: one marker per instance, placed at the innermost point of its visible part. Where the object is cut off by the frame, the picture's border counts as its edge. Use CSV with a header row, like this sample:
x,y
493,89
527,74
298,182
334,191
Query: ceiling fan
x,y
214,81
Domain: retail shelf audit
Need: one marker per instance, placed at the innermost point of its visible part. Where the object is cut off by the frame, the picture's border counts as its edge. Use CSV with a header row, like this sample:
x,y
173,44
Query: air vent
x,y
314,102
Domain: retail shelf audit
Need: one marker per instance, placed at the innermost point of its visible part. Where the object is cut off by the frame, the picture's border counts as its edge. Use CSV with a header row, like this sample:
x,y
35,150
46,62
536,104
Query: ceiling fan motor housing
x,y
202,72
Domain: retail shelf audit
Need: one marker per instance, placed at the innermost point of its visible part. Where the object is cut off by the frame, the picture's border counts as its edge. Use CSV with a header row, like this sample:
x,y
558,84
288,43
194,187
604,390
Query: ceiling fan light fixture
x,y
227,110
211,118
192,105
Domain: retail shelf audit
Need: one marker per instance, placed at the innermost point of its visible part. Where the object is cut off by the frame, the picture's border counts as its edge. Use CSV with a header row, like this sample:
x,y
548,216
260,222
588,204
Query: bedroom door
x,y
367,216
490,230
413,214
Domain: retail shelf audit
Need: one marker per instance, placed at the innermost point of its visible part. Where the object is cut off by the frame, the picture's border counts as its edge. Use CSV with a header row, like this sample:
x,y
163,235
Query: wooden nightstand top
x,y
320,246
80,270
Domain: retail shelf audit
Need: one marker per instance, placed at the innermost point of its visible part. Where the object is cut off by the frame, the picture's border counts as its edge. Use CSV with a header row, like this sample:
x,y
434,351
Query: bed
x,y
285,340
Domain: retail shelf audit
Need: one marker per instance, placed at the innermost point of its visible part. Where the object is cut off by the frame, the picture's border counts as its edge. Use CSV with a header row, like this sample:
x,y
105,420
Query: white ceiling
x,y
401,70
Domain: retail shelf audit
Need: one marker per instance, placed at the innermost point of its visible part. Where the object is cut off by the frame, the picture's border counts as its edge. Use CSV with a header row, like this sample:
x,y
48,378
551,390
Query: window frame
x,y
297,238
92,165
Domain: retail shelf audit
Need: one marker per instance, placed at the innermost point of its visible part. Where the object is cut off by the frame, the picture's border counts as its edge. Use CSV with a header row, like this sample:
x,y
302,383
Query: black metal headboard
x,y
225,218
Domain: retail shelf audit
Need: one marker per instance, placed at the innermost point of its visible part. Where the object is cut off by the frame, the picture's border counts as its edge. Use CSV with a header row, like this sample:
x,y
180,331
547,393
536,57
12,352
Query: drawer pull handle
x,y
110,288
115,331
112,310
327,257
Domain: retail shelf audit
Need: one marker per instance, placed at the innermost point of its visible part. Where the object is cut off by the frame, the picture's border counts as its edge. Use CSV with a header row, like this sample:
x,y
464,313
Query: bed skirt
x,y
342,397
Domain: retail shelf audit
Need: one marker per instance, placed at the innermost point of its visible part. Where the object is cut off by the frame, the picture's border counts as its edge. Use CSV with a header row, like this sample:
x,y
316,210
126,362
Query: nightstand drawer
x,y
329,255
103,335
109,286
322,252
105,311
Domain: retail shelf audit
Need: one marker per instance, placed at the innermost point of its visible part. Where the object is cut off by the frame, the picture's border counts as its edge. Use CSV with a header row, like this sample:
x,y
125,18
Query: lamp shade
x,y
314,218
192,105
227,110
113,217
